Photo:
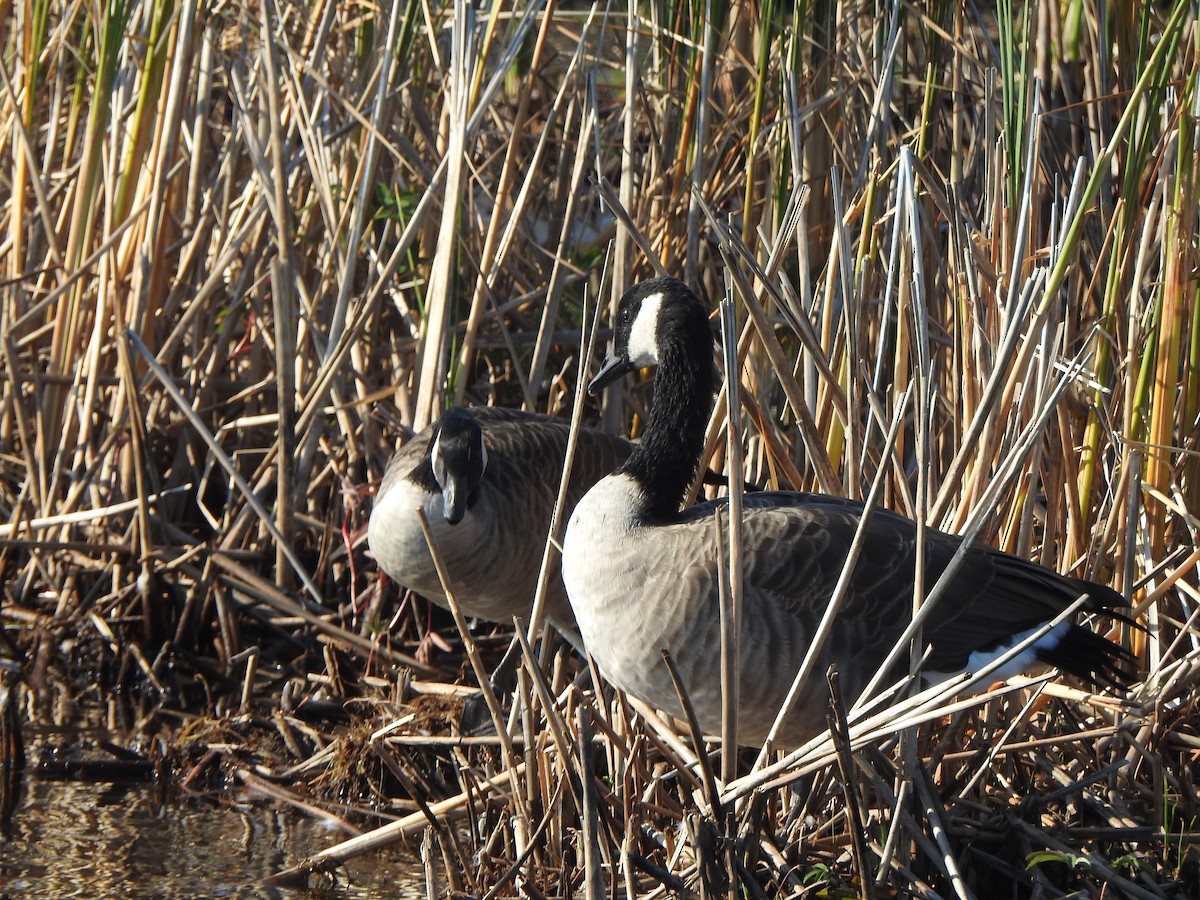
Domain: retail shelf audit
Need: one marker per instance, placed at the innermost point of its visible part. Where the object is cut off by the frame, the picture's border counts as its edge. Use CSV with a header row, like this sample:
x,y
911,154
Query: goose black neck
x,y
422,474
666,457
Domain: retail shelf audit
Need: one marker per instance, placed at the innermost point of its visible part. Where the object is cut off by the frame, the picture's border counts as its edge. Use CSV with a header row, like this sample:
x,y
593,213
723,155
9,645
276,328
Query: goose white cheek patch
x,y
439,465
643,336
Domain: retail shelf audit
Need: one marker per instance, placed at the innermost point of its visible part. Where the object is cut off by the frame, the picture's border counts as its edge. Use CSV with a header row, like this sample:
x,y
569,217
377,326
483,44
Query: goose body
x,y
642,575
487,479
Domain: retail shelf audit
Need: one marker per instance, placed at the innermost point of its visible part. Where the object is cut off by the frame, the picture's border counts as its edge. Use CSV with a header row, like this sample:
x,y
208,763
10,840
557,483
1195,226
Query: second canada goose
x,y
642,575
487,479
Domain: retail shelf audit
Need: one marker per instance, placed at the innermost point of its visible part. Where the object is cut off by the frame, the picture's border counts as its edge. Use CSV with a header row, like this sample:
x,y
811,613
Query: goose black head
x,y
459,459
653,318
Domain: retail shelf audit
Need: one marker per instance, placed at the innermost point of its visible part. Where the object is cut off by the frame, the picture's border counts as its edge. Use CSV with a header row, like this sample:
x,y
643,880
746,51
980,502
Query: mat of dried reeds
x,y
247,248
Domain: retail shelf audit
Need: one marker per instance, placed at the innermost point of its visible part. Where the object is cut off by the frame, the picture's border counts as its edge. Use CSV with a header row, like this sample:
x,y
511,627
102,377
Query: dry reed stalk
x,y
984,316
448,810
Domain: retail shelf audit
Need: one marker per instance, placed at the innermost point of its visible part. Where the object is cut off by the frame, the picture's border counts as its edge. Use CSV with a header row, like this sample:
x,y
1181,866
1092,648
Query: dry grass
x,y
246,247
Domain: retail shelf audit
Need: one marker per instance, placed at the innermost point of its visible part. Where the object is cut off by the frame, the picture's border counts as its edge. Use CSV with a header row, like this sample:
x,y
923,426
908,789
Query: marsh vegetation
x,y
246,248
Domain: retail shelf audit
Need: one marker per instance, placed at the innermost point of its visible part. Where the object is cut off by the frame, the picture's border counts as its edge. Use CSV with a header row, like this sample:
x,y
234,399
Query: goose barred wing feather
x,y
533,447
675,573
992,593
785,594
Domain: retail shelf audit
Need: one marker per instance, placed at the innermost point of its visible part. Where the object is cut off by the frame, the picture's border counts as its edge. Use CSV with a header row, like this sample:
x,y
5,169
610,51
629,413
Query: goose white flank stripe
x,y
642,574
487,479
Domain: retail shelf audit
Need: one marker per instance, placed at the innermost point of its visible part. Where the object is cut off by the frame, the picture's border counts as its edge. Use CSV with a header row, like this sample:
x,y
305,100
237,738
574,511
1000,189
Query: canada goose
x,y
487,479
642,575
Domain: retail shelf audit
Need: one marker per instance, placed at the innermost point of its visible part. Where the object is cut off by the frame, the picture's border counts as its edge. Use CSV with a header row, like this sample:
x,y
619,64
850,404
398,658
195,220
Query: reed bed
x,y
247,248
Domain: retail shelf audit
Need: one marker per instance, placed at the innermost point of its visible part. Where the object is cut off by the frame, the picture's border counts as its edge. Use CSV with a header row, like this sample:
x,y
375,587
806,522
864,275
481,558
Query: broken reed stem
x,y
449,810
285,368
481,673
427,861
554,535
446,837
841,589
840,733
314,164
711,793
558,728
731,577
593,879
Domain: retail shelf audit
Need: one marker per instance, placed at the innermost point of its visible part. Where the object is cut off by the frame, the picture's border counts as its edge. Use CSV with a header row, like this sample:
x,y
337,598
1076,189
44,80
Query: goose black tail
x,y
1092,658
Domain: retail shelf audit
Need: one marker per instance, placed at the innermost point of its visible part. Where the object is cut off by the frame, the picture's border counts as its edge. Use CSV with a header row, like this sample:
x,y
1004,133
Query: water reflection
x,y
75,839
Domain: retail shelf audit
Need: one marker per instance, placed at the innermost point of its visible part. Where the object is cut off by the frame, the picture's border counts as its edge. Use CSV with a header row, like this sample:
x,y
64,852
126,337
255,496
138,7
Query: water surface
x,y
100,840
